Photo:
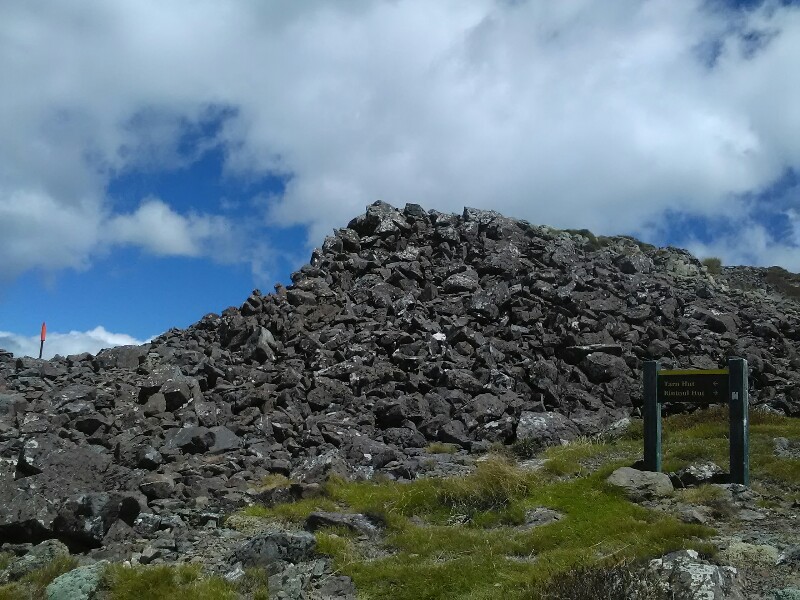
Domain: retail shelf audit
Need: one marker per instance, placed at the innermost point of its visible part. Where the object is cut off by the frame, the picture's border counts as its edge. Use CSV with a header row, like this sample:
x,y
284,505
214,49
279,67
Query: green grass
x,y
5,559
485,555
711,496
459,538
184,582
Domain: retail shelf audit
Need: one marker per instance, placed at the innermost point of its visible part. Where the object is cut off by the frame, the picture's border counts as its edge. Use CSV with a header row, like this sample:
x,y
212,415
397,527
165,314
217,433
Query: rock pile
x,y
407,327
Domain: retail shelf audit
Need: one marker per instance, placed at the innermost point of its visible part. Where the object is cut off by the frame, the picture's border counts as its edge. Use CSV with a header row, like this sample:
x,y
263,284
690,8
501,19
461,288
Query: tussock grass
x,y
460,538
254,584
184,582
713,265
5,559
711,496
457,538
441,448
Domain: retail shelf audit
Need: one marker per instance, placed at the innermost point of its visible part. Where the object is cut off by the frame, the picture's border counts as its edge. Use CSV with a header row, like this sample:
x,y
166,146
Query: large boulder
x,y
641,485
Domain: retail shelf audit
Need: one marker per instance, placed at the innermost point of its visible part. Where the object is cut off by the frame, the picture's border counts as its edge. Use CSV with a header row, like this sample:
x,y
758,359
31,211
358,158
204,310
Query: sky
x,y
159,160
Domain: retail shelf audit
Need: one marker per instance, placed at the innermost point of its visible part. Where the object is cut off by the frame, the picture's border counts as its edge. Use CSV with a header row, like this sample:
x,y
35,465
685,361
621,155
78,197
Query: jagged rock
x,y
158,485
357,523
545,429
687,575
38,557
270,549
698,473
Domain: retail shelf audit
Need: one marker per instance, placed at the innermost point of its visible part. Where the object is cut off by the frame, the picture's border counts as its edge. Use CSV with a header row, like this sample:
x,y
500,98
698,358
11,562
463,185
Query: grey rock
x,y
158,485
38,557
191,440
698,473
81,583
641,485
354,522
546,428
271,549
689,576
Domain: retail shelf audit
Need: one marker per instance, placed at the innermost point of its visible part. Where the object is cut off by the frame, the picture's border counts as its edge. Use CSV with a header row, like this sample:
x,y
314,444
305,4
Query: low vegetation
x,y
468,537
713,265
441,448
33,585
184,582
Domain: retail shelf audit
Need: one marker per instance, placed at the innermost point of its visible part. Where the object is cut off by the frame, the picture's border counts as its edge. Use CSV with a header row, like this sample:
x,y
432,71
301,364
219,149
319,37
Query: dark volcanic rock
x,y
407,327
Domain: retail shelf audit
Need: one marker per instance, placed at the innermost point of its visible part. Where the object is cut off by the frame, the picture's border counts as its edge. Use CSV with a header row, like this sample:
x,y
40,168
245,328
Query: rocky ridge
x,y
407,327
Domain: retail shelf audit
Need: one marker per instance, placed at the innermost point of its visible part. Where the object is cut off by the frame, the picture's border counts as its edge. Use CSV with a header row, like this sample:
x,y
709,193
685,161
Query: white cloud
x,y
573,113
65,344
157,228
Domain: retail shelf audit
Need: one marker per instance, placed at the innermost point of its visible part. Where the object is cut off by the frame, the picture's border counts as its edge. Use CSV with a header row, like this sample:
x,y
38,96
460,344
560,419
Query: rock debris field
x,y
408,327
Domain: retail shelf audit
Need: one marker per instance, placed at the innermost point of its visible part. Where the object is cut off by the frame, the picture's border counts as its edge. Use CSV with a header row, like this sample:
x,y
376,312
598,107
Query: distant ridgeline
x,y
407,327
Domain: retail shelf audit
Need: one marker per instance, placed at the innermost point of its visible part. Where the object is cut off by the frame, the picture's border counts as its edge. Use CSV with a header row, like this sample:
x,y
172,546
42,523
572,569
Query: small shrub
x,y
713,265
784,281
526,448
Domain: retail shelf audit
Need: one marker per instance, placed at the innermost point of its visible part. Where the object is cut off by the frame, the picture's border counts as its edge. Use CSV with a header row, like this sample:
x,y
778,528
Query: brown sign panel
x,y
709,386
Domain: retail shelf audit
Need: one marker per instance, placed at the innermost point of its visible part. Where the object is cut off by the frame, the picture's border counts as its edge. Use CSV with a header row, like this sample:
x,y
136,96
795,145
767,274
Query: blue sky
x,y
158,161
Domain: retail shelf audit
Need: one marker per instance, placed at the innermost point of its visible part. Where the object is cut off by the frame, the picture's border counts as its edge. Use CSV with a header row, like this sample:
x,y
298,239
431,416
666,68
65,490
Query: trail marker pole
x,y
41,343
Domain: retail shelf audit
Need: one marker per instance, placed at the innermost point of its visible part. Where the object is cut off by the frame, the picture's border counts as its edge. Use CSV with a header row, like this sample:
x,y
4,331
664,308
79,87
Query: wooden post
x,y
739,421
652,418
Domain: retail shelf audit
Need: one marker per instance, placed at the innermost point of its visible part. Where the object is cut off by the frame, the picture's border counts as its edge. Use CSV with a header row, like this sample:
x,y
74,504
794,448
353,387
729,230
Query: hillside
x,y
407,328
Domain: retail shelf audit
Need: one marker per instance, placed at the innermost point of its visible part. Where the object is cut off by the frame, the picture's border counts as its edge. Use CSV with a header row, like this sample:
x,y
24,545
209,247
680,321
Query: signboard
x,y
699,386
703,386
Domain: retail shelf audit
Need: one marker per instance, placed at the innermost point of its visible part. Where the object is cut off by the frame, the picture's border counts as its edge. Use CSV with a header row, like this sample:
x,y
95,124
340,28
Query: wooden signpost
x,y
699,386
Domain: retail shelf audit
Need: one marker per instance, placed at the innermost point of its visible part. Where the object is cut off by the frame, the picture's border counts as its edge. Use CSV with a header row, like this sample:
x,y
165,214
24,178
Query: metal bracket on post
x,y
739,421
652,418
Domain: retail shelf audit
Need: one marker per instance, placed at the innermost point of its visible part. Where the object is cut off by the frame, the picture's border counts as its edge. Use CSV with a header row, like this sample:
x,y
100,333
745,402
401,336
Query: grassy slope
x,y
458,538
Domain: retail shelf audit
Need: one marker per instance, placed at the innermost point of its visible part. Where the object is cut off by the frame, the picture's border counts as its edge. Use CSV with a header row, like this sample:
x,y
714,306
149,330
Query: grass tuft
x,y
441,448
182,582
6,558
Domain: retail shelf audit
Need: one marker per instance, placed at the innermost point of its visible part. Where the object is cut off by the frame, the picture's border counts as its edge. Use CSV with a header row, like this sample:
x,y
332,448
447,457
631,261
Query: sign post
x,y
740,425
700,386
652,418
43,335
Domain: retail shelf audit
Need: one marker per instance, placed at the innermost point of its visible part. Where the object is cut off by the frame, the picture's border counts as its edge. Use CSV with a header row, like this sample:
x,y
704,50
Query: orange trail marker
x,y
43,336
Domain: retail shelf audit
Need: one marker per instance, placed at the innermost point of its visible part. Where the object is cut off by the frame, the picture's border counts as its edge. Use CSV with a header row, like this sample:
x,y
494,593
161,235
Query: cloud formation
x,y
65,344
574,113
159,229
